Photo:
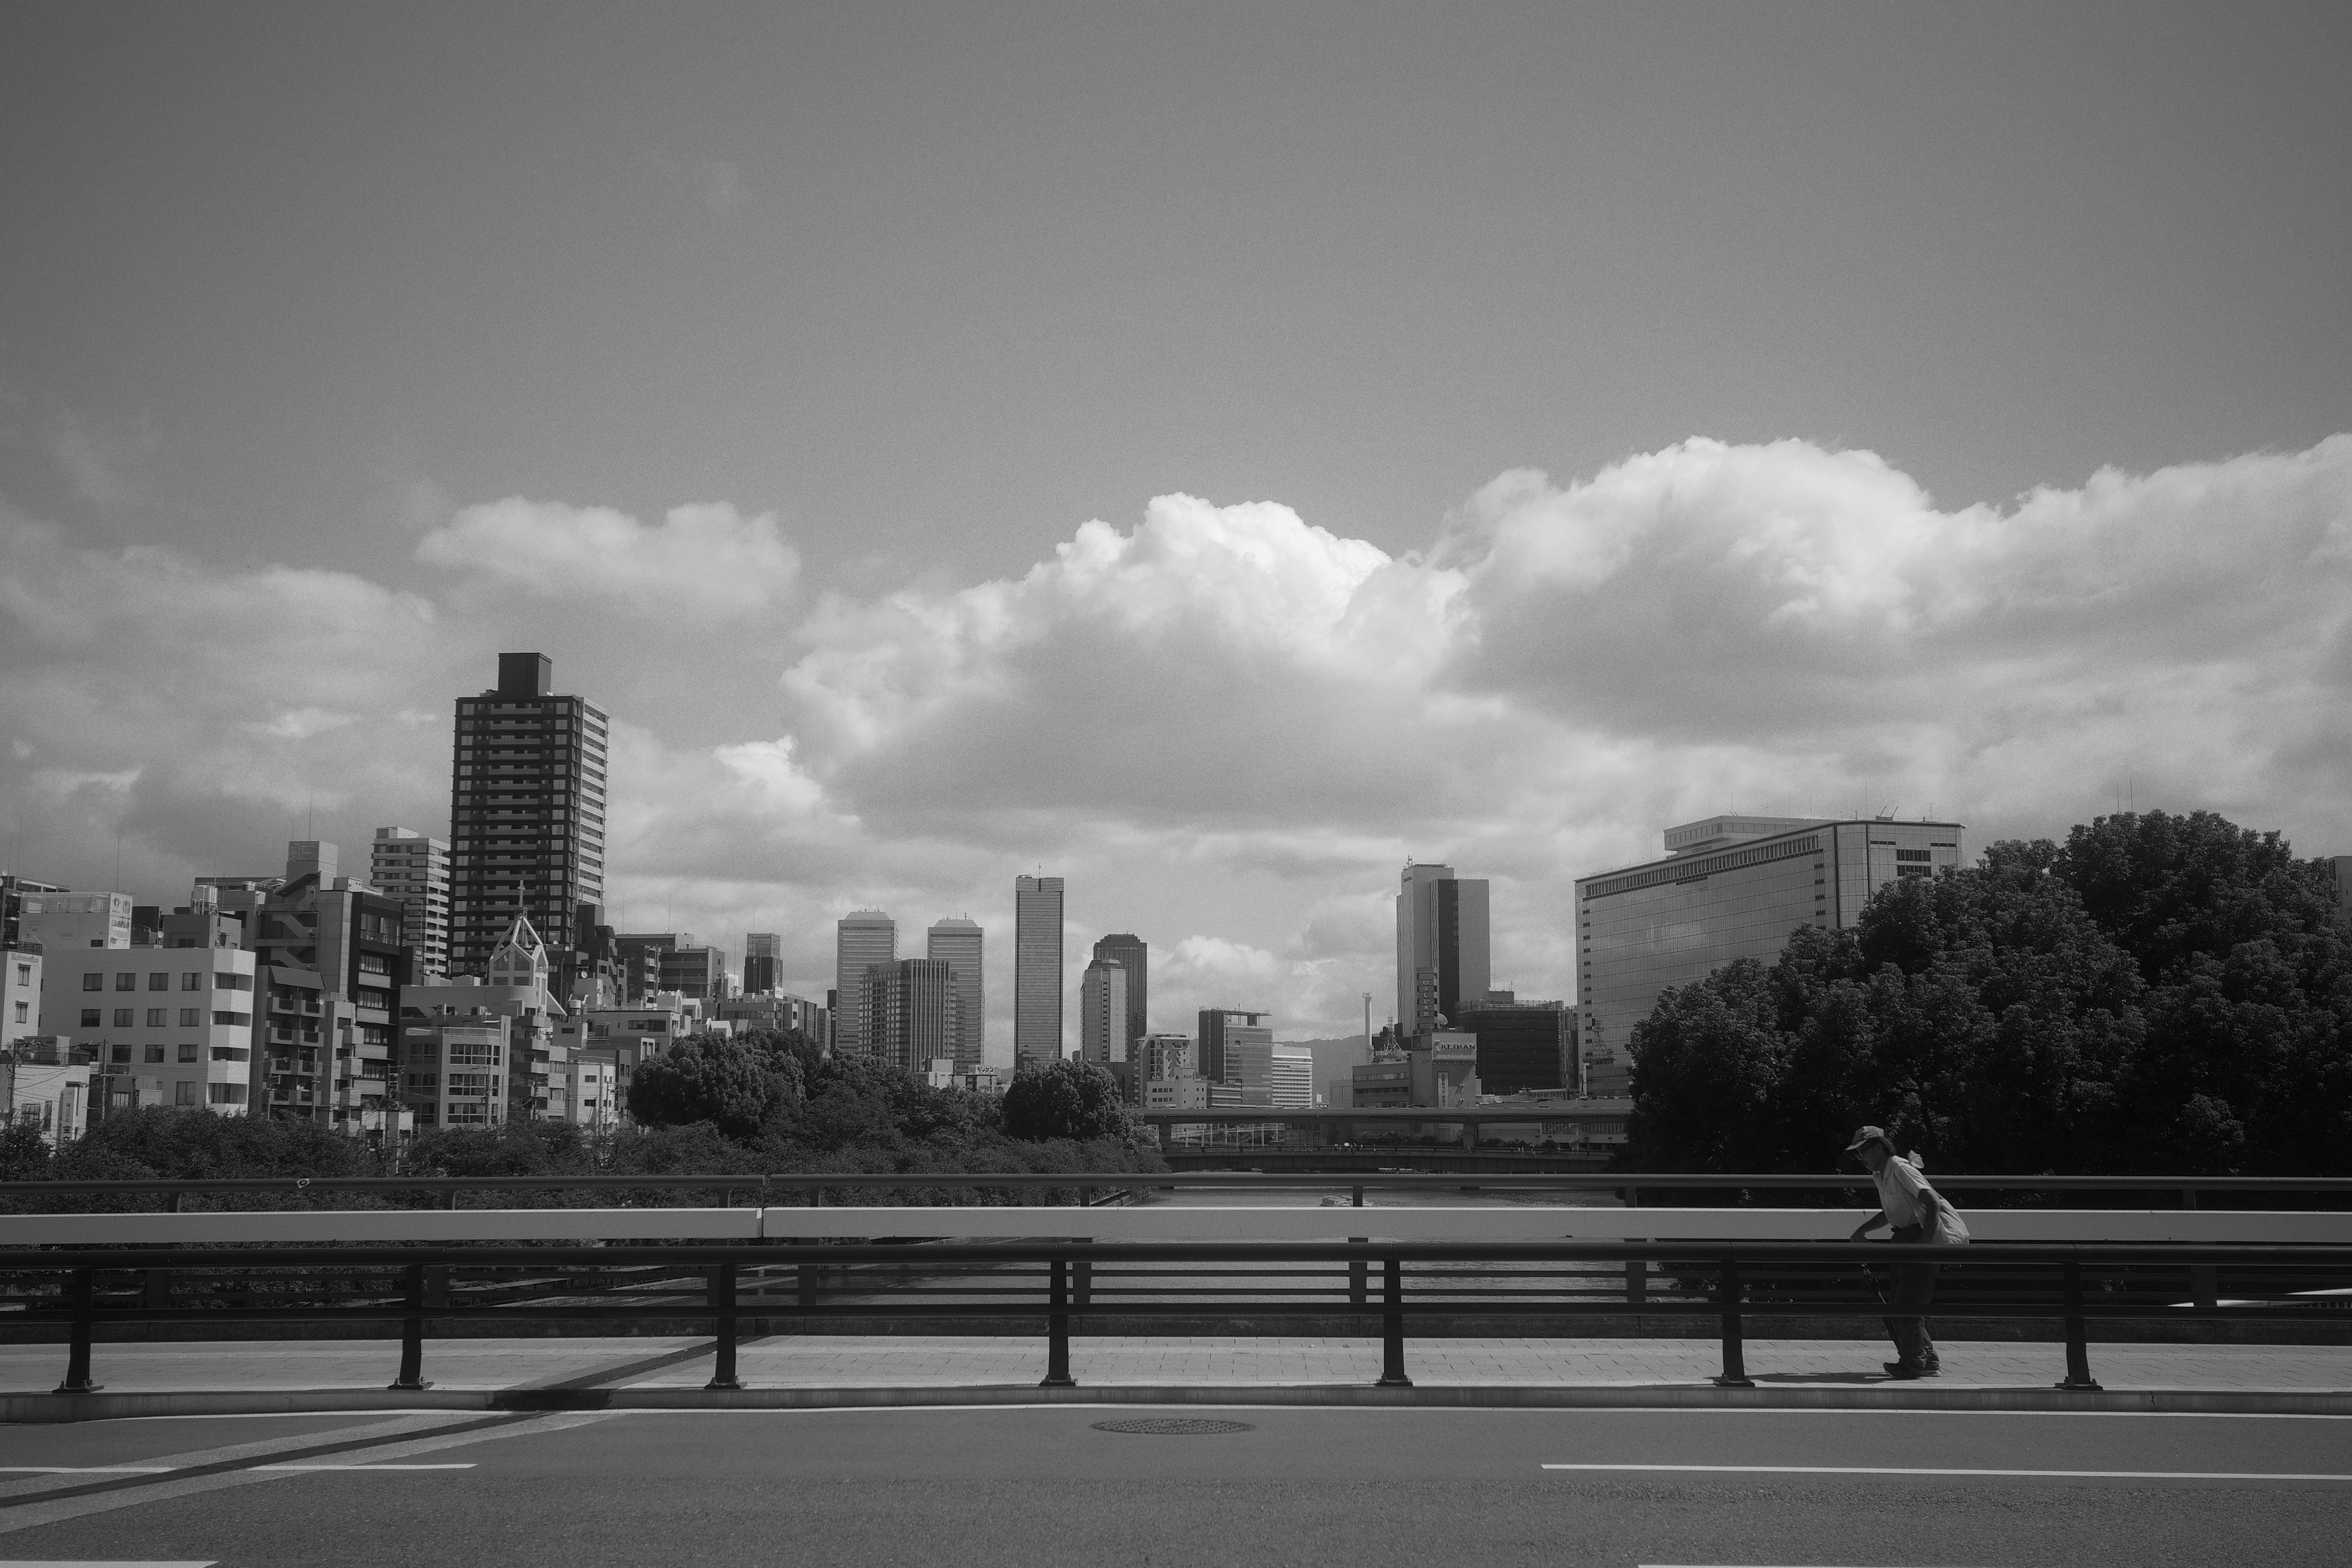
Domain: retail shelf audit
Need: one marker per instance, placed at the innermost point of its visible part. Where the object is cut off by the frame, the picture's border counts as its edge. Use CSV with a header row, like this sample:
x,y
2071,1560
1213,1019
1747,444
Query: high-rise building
x,y
414,868
695,971
761,949
957,943
910,1011
1036,971
1729,888
1102,1013
1521,1044
1134,955
862,939
329,962
526,813
1224,1033
1290,1077
1442,948
1165,1055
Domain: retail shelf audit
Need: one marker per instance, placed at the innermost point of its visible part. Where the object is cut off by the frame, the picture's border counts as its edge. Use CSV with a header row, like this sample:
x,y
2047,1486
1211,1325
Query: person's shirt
x,y
1900,1185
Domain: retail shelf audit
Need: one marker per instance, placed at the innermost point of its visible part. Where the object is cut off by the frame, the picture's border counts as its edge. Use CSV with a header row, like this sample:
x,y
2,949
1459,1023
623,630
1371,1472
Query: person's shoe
x,y
1900,1373
1931,1369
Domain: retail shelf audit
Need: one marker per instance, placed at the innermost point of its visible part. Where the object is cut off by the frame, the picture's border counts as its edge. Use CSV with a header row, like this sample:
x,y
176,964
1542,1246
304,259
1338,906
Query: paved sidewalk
x,y
820,1362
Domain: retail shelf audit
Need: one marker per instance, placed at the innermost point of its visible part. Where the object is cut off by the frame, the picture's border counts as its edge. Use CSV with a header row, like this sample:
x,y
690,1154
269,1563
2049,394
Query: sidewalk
x,y
859,1362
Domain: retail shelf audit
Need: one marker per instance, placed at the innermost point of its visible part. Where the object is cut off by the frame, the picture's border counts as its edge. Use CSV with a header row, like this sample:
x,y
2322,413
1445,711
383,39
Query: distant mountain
x,y
1333,1059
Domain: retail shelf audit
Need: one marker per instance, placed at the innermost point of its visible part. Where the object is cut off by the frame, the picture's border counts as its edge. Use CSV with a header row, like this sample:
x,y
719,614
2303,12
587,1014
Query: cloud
x,y
709,561
103,463
718,181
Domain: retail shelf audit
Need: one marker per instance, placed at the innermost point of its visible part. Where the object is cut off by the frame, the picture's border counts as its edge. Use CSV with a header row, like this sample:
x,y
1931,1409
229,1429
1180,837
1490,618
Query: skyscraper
x,y
910,1011
1036,971
1134,955
1103,1013
1442,947
526,813
414,868
862,937
1224,1033
760,950
957,943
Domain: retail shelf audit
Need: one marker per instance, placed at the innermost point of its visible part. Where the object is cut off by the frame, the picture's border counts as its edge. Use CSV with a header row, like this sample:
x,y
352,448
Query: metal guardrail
x,y
1563,1282
1090,1184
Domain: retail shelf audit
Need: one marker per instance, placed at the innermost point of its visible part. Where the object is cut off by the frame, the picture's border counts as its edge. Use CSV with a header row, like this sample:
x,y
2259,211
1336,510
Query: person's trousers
x,y
1907,1297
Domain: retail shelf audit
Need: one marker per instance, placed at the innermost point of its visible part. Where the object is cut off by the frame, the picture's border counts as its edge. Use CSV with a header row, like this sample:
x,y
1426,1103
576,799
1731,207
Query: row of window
x,y
160,1018
121,1055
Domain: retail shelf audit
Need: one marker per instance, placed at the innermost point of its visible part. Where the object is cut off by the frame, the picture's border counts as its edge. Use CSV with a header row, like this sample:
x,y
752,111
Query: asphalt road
x,y
1042,1486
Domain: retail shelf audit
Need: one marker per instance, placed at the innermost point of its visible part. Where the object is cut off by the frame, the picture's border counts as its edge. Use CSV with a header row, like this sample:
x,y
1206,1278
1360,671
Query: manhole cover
x,y
1174,1426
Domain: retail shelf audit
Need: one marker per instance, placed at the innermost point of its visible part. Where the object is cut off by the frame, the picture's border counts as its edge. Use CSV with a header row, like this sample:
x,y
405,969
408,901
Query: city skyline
x,y
1538,463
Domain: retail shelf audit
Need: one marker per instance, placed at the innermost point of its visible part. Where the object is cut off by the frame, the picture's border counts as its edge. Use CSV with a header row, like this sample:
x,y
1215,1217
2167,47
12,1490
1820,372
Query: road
x,y
1042,1486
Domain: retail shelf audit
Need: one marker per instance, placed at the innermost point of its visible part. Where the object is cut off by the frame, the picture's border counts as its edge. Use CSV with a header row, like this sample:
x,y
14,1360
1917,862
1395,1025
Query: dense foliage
x,y
764,1103
1066,1099
2160,993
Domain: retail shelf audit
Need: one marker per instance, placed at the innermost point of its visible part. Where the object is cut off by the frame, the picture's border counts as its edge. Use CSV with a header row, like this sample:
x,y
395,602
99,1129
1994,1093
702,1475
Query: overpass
x,y
1590,1128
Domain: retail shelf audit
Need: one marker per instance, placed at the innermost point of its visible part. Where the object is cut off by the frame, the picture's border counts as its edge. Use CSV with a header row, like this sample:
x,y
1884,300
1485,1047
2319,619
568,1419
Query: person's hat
x,y
1867,1135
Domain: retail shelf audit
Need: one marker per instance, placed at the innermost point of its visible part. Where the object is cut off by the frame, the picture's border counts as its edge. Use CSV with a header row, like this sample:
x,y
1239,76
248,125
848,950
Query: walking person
x,y
1917,1213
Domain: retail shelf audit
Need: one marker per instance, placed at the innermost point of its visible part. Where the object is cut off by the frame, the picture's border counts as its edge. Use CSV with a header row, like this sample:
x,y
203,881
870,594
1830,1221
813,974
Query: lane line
x,y
467,1466
1908,1471
85,1470
392,1425
36,1513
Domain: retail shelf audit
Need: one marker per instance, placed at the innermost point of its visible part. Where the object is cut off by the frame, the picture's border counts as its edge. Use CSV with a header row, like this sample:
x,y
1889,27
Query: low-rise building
x,y
168,1025
20,989
776,1013
45,1083
534,1076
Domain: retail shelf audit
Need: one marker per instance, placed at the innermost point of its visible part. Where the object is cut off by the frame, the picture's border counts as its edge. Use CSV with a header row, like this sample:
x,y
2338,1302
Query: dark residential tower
x,y
526,813
1134,955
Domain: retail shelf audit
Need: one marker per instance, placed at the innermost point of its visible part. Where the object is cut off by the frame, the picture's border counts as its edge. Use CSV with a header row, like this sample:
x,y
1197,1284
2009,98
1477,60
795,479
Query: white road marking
x,y
84,1470
463,1466
261,1448
1908,1470
105,1562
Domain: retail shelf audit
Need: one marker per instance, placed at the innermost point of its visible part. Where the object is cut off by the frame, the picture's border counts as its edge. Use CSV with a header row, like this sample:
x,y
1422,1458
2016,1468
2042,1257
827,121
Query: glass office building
x,y
1729,888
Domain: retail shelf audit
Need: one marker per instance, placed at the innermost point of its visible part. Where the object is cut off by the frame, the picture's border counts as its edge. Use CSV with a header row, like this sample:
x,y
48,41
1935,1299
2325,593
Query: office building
x,y
1134,955
1224,1034
166,1026
695,971
862,939
412,867
911,1008
328,960
14,892
762,950
957,943
21,963
774,1012
1442,945
1103,1013
594,976
526,813
639,955
1522,1045
63,920
1729,888
1036,971
1163,1056
1290,1077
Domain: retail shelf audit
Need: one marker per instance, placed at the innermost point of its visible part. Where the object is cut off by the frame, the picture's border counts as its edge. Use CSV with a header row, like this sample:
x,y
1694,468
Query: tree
x,y
708,1079
1068,1098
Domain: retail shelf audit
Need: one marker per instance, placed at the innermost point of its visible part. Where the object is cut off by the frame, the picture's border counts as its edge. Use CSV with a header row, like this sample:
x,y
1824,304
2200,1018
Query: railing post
x,y
2204,1278
158,1289
1359,1271
1057,1330
174,1206
722,1308
449,1200
1637,1272
82,1293
1392,1326
1082,1277
808,1279
1734,1352
412,1333
2078,1348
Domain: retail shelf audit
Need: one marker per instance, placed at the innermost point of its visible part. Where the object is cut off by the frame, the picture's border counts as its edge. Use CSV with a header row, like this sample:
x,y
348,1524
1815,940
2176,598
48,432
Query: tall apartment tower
x,y
1103,1013
526,813
1036,971
862,939
760,950
1134,955
414,868
1442,948
957,943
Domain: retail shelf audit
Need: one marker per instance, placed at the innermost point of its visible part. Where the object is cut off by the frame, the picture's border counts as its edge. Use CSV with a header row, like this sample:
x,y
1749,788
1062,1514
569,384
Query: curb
x,y
39,1408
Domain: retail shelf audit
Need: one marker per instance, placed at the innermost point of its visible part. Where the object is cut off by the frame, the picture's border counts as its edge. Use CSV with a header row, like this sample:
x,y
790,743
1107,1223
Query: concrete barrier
x,y
1148,1223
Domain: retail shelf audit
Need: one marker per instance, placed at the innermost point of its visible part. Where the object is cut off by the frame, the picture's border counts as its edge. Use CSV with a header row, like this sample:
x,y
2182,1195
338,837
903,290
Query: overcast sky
x,y
1212,454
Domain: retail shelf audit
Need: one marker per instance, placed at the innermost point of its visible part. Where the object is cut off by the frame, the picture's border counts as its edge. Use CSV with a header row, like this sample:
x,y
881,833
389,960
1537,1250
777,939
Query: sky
x,y
1210,453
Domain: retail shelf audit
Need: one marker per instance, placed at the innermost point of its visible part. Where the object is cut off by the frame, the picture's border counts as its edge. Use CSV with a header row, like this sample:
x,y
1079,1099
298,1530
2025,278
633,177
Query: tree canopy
x,y
2159,993
1068,1098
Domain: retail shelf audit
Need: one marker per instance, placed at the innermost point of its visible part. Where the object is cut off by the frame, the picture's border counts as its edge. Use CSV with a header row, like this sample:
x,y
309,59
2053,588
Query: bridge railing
x,y
174,1195
1074,1285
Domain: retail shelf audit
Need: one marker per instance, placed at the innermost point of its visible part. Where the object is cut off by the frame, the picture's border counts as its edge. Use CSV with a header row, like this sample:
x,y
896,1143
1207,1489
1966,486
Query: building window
x,y
159,983
93,1017
93,982
185,1091
192,982
120,1056
191,1017
126,982
189,1053
155,1016
23,974
154,1054
122,1017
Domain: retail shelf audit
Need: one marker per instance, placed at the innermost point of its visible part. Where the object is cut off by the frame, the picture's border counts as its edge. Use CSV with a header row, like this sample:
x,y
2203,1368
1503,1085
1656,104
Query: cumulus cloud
x,y
703,560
